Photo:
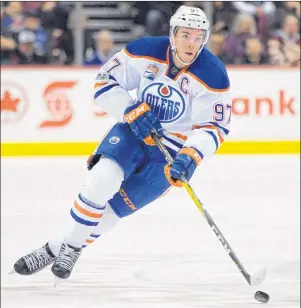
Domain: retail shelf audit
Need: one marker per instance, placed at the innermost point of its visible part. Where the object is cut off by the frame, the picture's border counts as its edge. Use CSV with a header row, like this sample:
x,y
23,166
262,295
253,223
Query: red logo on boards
x,y
14,102
58,104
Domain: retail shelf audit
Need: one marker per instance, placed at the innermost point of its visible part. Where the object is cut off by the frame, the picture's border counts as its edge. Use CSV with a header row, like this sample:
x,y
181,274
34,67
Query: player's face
x,y
188,42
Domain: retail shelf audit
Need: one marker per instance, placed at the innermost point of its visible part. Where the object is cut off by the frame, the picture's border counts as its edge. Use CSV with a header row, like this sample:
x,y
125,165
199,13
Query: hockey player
x,y
182,95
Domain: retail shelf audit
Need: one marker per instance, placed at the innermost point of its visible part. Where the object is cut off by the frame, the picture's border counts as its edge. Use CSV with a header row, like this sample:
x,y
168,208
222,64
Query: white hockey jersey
x,y
193,104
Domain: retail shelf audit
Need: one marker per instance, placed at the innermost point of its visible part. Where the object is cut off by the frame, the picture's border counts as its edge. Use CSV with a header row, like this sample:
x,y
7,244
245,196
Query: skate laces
x,y
37,258
67,257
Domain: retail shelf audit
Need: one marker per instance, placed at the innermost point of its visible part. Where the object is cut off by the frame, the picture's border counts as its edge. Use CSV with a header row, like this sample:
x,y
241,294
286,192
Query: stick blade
x,y
258,277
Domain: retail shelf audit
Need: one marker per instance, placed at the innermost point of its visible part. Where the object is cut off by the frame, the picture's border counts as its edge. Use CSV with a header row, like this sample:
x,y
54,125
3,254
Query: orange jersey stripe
x,y
144,57
221,139
183,137
205,85
86,212
99,84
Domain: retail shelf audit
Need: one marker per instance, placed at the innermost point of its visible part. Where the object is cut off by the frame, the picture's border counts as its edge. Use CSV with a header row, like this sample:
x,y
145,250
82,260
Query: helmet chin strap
x,y
174,51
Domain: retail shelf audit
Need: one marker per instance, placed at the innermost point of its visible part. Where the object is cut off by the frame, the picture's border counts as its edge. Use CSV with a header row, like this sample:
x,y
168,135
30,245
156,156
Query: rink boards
x,y
50,111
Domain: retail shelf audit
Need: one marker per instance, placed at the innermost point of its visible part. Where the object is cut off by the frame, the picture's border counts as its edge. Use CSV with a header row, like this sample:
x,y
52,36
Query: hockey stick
x,y
252,280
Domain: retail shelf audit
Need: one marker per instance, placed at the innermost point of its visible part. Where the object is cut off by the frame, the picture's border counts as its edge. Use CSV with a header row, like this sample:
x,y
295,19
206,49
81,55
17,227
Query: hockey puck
x,y
262,297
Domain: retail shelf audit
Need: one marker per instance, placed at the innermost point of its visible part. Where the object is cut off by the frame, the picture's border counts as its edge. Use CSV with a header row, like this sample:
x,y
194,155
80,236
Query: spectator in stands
x,y
216,43
292,54
11,23
158,16
243,27
262,11
32,6
139,19
12,17
55,18
286,8
290,31
254,52
7,45
255,8
289,39
32,22
275,52
104,49
223,16
26,53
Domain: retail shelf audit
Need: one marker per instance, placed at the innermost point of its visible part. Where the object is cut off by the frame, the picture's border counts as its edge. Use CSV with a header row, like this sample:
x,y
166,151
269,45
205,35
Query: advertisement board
x,y
50,111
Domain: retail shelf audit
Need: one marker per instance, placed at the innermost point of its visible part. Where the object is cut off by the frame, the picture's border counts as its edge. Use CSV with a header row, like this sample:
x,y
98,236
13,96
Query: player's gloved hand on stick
x,y
185,164
143,122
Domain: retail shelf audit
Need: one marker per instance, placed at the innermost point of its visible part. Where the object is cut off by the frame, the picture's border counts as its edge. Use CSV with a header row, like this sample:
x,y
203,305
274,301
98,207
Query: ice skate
x,y
65,261
35,261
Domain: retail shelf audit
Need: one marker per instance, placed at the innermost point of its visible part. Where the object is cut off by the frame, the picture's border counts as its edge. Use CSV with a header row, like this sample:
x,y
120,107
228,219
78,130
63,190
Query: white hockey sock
x,y
107,223
103,181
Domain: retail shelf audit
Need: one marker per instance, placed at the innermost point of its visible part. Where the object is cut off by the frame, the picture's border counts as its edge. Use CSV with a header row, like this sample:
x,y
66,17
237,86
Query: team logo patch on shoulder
x,y
165,101
151,72
103,76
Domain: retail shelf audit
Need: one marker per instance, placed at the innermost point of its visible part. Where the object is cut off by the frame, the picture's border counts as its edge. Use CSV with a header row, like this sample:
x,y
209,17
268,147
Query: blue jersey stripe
x,y
105,89
225,130
214,137
112,78
179,145
200,153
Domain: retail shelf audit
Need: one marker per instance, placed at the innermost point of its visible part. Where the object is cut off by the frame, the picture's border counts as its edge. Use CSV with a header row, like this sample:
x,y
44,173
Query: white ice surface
x,y
164,256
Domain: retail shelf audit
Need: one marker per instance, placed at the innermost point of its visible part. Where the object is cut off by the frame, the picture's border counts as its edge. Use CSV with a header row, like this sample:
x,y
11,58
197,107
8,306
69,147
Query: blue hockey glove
x,y
185,164
143,122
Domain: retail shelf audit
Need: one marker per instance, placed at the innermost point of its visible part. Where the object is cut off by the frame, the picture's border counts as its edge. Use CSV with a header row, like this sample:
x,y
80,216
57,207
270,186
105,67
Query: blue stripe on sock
x,y
95,235
84,246
82,221
90,203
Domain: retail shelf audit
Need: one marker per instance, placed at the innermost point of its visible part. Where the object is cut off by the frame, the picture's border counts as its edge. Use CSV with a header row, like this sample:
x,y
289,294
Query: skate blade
x,y
58,281
12,272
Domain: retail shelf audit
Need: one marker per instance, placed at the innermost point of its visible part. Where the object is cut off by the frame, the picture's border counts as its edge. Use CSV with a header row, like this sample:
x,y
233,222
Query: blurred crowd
x,y
253,32
257,32
36,33
245,33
